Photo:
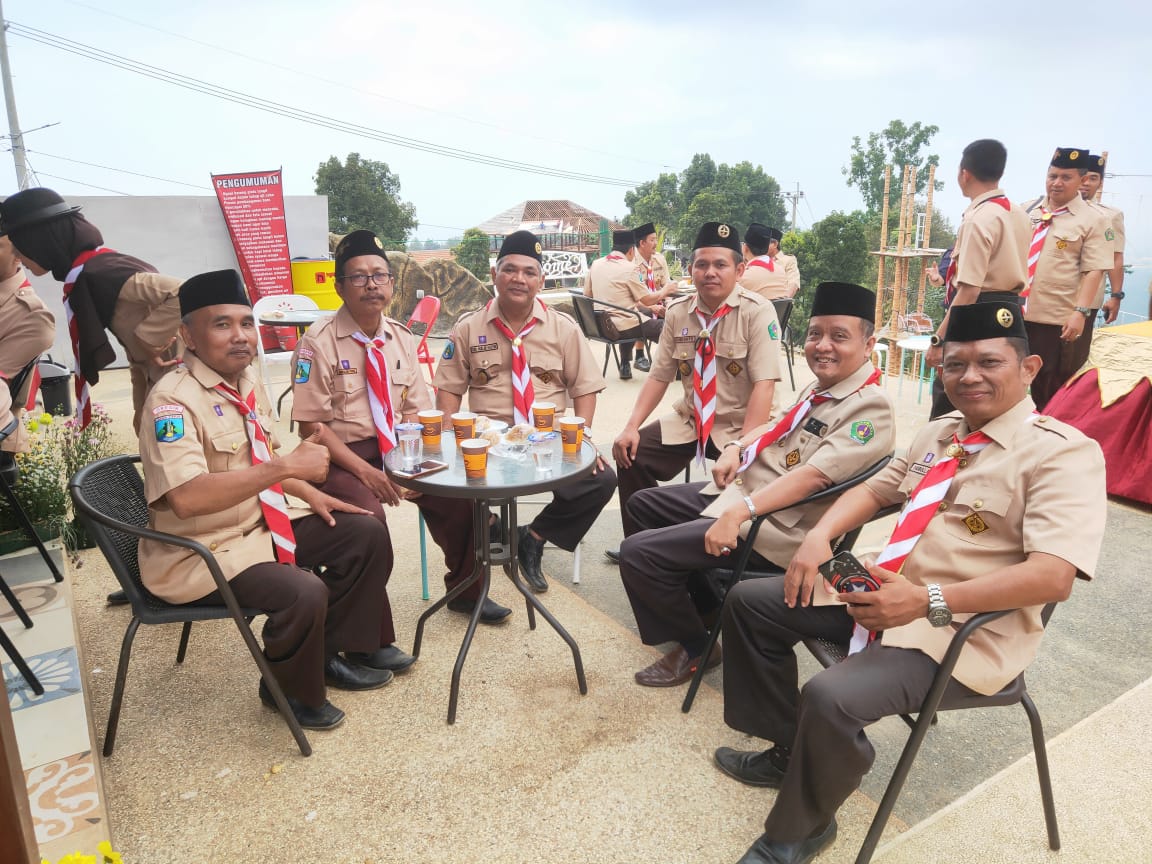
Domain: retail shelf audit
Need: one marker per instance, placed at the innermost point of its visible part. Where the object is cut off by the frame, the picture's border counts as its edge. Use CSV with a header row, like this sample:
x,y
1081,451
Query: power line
x,y
300,114
200,186
343,85
81,183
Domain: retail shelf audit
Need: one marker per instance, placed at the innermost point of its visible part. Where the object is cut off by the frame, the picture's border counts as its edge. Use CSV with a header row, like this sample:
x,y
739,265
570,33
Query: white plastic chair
x,y
263,306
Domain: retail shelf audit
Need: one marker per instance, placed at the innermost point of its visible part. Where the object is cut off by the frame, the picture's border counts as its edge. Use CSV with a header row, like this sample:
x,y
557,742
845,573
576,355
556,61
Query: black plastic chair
x,y
784,313
1015,693
722,579
108,496
590,315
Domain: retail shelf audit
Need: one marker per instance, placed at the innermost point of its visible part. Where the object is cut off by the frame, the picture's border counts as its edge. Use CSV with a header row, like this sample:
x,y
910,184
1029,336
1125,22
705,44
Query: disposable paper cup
x,y
475,458
463,425
571,434
433,423
543,414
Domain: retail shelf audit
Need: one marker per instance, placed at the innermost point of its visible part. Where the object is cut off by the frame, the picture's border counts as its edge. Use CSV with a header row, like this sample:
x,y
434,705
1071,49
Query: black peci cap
x,y
362,242
30,207
844,298
976,321
644,230
623,240
1070,157
718,234
522,243
1096,163
217,288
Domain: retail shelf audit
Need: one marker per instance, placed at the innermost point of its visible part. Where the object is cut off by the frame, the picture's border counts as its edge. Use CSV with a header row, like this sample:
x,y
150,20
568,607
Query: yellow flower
x,y
107,855
45,417
32,427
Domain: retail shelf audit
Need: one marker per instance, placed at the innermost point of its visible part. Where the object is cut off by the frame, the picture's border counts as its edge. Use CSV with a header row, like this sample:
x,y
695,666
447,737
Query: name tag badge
x,y
816,427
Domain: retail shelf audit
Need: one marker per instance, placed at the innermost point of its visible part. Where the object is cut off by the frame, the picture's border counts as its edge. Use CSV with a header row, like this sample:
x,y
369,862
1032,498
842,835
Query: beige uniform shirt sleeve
x,y
154,313
1118,238
453,369
27,330
791,272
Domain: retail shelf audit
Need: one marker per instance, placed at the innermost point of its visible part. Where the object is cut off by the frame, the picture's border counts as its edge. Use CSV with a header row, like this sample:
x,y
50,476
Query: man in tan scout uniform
x,y
1067,258
26,331
842,424
330,398
990,258
211,474
763,275
126,295
1015,525
746,369
654,273
516,332
791,268
615,279
1090,185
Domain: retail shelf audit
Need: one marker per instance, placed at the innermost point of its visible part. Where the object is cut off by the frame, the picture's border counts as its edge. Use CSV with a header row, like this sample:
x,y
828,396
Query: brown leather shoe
x,y
675,668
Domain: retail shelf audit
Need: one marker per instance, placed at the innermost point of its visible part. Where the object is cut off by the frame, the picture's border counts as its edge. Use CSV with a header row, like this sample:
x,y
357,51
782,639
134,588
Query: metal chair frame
x,y
784,306
586,309
108,496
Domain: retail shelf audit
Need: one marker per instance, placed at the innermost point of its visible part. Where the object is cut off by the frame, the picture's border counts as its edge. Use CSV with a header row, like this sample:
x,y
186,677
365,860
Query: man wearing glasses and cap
x,y
515,351
994,519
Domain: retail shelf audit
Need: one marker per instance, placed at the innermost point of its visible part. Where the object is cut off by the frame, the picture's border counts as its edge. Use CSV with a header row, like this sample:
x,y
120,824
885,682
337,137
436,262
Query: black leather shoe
x,y
342,675
750,767
495,529
327,716
530,551
490,613
118,598
612,555
625,371
643,364
763,851
389,657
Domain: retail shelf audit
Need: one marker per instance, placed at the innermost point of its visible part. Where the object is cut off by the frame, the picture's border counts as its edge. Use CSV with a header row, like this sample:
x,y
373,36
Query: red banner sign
x,y
253,208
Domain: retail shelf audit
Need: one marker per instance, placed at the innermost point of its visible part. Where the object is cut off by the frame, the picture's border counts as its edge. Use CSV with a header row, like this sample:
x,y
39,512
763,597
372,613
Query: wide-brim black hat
x,y
361,242
717,234
30,207
844,298
216,288
521,243
975,321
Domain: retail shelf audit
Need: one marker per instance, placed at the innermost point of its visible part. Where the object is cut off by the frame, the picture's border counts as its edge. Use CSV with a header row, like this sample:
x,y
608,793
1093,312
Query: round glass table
x,y
507,478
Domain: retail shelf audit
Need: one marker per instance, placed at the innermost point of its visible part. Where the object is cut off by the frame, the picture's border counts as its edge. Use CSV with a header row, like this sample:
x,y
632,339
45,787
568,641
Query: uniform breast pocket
x,y
978,515
350,396
796,451
485,373
1068,243
732,359
548,368
228,451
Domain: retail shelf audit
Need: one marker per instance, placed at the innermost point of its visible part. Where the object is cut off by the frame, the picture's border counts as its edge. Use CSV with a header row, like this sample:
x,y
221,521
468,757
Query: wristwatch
x,y
1085,311
732,444
939,615
935,340
1117,295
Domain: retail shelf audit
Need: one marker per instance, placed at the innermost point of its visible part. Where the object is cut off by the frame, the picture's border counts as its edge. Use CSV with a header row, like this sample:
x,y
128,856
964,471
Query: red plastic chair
x,y
426,313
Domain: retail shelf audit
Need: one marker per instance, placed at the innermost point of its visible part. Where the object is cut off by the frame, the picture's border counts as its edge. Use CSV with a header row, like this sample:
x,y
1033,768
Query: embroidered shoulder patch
x,y
170,428
862,431
303,371
774,331
449,351
1109,234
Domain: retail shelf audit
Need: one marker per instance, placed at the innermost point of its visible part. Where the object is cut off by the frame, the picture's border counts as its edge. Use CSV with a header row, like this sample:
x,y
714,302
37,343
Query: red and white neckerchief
x,y
1037,246
379,391
523,395
792,420
764,261
272,501
950,286
704,379
649,276
83,400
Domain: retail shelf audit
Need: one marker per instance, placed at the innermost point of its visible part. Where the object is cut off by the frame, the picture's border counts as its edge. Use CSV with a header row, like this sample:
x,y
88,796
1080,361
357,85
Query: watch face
x,y
939,616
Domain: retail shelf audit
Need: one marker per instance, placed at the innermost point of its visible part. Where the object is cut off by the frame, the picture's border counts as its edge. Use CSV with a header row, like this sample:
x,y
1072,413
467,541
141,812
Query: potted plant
x,y
79,447
40,486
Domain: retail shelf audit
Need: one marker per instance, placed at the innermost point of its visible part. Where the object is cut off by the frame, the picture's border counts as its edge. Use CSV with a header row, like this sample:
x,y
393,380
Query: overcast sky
x,y
617,90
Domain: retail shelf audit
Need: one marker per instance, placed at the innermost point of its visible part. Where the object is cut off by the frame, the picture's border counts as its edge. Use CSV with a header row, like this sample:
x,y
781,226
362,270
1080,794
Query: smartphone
x,y
428,466
846,574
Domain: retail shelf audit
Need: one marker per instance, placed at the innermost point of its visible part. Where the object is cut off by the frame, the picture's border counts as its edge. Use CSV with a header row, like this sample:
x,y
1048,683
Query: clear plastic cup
x,y
542,446
411,444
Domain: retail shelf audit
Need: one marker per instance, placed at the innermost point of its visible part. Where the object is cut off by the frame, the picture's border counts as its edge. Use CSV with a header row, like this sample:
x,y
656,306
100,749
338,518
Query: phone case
x,y
846,575
428,466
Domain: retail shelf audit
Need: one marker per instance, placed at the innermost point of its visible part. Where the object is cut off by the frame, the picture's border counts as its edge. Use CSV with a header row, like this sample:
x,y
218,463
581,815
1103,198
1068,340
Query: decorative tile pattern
x,y
57,671
34,599
64,796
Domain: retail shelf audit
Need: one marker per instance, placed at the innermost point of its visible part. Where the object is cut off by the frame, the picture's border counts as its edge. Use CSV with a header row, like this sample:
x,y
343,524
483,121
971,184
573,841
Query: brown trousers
x,y
312,617
1061,359
449,520
655,462
825,723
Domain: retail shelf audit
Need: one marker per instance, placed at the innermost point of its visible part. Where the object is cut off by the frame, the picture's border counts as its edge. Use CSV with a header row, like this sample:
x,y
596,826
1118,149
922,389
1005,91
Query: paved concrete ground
x,y
1090,684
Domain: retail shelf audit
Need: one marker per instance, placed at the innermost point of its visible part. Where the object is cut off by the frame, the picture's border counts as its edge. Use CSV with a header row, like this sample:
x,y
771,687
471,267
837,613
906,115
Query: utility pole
x,y
794,197
10,103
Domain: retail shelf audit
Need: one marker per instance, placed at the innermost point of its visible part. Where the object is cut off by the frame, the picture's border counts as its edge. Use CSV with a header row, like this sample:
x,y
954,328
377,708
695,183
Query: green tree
x,y
896,145
835,249
698,176
472,253
363,193
657,201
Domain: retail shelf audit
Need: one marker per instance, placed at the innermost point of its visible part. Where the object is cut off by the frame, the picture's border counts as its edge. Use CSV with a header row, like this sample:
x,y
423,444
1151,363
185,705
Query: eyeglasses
x,y
360,280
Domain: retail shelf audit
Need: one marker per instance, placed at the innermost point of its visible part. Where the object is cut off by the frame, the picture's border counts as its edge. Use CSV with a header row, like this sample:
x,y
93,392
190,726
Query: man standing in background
x,y
1090,186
